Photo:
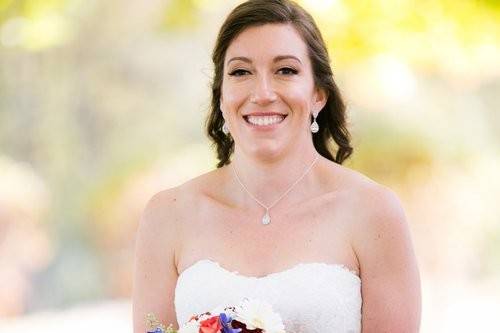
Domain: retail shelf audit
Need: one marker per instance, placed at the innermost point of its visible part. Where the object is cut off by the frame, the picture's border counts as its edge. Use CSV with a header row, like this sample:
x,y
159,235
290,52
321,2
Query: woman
x,y
280,219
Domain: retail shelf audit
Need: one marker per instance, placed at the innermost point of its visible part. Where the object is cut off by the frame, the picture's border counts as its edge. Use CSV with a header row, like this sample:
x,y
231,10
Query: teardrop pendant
x,y
225,129
266,219
314,126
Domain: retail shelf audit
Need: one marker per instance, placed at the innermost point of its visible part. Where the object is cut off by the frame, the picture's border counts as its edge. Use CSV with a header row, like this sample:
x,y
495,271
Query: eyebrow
x,y
276,59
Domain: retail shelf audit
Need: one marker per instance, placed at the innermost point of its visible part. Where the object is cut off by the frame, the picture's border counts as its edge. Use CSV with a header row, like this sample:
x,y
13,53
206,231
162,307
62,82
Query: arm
x,y
155,272
390,278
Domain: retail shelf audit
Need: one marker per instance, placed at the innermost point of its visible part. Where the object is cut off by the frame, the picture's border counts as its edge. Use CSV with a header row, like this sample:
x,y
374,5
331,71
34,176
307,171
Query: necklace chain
x,y
267,208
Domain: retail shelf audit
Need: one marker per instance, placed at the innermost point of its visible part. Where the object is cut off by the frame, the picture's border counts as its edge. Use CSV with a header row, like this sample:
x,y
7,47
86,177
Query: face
x,y
268,92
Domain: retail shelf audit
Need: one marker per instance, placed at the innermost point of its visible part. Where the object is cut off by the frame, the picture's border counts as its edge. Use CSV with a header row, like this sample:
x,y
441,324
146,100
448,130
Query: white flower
x,y
217,310
190,327
223,308
257,314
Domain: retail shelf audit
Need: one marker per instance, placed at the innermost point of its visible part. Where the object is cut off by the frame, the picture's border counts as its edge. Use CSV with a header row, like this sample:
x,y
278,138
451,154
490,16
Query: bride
x,y
280,219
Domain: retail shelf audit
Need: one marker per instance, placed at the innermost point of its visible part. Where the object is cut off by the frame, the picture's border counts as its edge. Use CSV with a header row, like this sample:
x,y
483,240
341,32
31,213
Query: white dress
x,y
310,297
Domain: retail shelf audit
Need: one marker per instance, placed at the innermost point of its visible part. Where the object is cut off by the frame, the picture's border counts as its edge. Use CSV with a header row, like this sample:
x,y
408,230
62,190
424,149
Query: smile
x,y
264,120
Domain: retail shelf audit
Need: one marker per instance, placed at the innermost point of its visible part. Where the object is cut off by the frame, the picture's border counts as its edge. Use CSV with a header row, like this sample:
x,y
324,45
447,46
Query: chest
x,y
316,231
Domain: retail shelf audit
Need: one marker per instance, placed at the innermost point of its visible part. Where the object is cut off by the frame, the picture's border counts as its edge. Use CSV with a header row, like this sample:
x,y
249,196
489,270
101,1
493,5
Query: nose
x,y
263,92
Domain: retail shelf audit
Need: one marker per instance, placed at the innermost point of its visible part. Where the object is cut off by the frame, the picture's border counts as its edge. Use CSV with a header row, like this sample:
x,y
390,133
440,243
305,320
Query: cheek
x,y
299,99
233,96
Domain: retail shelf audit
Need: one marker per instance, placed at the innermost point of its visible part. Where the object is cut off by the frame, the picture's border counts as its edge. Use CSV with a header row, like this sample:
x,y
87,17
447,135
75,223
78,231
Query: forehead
x,y
267,41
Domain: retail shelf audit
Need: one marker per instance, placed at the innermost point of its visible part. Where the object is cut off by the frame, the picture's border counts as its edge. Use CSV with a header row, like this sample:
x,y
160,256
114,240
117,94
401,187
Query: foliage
x,y
35,24
414,30
100,104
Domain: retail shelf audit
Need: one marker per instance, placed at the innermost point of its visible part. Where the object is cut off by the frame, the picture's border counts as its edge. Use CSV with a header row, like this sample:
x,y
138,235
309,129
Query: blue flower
x,y
225,321
157,330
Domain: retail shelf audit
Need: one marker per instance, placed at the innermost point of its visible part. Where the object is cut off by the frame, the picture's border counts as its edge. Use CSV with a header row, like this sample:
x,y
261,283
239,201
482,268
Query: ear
x,y
319,99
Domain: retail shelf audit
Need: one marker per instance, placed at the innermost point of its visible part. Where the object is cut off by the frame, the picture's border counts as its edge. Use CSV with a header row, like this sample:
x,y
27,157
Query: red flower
x,y
210,325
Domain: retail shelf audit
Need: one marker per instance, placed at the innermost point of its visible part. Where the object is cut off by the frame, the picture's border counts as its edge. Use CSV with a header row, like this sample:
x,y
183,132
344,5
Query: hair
x,y
331,119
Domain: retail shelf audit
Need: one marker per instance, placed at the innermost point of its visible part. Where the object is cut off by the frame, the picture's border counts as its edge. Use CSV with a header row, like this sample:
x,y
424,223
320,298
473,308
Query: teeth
x,y
265,120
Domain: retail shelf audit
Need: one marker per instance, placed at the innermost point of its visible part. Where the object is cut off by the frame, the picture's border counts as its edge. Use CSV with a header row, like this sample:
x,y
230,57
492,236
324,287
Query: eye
x,y
238,72
288,71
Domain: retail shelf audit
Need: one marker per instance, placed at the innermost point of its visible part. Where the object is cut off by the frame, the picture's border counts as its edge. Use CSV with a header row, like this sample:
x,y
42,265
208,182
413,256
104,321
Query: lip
x,y
265,114
269,127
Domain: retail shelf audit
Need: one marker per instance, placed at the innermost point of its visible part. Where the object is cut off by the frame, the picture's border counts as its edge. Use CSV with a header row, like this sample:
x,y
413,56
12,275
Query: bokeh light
x,y
102,105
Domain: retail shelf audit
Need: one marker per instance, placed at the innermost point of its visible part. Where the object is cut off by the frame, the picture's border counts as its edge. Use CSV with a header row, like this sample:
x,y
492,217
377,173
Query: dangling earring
x,y
225,129
314,126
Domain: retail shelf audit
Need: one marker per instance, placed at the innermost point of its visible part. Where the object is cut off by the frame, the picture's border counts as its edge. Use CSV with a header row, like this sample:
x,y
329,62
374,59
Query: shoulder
x,y
380,203
376,210
381,240
158,221
170,206
374,202
162,204
380,212
155,267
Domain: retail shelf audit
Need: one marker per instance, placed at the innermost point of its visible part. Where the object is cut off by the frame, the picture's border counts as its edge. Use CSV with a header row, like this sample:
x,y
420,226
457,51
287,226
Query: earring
x,y
225,129
314,126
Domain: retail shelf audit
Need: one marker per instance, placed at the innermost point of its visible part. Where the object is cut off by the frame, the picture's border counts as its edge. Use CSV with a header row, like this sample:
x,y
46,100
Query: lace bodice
x,y
310,297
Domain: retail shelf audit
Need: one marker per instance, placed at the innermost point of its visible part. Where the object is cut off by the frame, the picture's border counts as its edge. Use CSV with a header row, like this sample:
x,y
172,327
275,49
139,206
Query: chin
x,y
266,151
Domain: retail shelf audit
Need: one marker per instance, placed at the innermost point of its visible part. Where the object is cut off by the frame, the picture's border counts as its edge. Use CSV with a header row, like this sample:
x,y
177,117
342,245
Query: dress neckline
x,y
340,267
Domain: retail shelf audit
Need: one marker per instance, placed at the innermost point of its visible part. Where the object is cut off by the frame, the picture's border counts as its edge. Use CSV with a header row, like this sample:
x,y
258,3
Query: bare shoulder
x,y
155,273
176,201
158,242
170,209
159,205
160,217
382,242
379,210
369,207
374,204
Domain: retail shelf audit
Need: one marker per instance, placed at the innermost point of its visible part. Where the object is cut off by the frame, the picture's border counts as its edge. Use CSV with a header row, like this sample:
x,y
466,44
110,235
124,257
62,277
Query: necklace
x,y
266,219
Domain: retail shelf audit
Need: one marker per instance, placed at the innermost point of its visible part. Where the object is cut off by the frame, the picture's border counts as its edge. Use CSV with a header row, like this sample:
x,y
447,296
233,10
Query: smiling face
x,y
268,91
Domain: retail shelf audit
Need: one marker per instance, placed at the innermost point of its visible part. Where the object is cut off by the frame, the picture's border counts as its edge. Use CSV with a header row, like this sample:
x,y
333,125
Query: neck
x,y
268,179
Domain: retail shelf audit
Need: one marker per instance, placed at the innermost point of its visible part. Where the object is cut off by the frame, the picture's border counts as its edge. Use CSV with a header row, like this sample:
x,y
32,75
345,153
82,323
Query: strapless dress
x,y
309,297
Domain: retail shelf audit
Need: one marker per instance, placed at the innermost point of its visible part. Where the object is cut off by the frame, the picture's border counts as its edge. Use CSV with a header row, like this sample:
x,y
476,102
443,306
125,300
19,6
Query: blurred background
x,y
102,105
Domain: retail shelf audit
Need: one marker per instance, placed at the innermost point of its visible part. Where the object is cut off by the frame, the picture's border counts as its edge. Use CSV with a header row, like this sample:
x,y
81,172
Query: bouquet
x,y
250,316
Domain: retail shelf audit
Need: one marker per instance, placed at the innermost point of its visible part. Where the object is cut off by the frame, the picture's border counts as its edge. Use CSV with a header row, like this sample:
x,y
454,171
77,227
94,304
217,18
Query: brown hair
x,y
331,119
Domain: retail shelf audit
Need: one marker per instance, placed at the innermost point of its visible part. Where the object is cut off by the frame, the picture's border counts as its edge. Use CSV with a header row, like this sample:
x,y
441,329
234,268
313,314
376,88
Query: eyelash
x,y
291,70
